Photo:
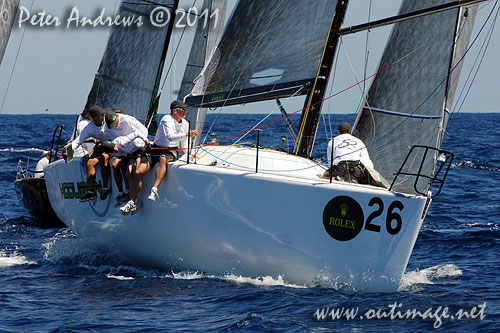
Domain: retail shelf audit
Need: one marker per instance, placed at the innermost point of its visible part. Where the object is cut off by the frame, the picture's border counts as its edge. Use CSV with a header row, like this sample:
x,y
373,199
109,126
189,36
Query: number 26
x,y
391,216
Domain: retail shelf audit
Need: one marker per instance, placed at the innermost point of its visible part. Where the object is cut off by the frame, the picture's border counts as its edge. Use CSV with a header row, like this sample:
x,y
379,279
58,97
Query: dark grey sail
x,y
205,39
406,102
269,49
8,10
128,69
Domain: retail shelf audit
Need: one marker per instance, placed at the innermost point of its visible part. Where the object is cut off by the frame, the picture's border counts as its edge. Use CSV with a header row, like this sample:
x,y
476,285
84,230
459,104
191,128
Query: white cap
x,y
45,152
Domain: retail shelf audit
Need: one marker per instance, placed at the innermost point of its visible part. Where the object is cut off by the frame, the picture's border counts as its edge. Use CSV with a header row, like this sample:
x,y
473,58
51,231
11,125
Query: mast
x,y
150,121
312,107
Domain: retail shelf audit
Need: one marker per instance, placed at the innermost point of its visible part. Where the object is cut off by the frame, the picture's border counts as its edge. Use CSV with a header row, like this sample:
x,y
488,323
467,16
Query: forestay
x,y
269,49
8,11
128,69
406,102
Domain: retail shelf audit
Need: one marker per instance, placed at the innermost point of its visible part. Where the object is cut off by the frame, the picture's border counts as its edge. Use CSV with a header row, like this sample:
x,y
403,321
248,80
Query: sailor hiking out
x,y
173,132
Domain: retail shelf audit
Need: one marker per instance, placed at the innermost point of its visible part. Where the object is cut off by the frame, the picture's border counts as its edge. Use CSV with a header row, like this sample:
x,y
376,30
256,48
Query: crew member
x,y
42,163
96,130
129,138
347,153
173,132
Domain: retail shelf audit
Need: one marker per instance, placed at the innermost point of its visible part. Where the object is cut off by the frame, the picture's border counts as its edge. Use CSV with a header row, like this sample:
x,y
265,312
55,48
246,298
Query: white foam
x,y
14,259
21,150
119,277
259,281
417,277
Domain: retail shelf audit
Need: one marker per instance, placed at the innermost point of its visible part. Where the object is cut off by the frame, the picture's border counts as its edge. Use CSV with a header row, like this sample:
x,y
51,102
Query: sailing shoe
x,y
154,194
104,194
129,207
88,196
138,204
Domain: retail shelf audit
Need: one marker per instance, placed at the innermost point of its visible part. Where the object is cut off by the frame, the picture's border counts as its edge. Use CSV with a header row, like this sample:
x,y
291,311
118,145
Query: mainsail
x,y
252,62
406,102
9,9
128,69
204,43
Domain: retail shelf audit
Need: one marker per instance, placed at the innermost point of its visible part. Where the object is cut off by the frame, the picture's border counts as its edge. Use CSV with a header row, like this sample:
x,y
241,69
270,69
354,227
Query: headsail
x,y
405,104
205,39
128,69
253,62
8,10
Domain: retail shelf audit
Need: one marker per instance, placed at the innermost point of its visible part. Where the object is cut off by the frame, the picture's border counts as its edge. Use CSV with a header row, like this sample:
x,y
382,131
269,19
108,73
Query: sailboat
x,y
30,190
261,212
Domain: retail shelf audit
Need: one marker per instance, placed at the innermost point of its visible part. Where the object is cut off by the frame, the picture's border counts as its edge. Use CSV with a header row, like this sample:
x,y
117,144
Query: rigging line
x,y
291,114
277,6
440,84
341,91
256,126
428,97
333,77
366,45
482,50
270,113
175,52
481,61
15,62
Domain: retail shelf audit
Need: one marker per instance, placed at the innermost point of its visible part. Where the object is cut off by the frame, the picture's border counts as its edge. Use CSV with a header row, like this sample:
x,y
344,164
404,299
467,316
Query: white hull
x,y
219,219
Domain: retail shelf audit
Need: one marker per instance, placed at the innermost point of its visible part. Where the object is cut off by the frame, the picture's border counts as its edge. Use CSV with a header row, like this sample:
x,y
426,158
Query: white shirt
x,y
129,136
86,146
347,147
89,131
171,133
40,166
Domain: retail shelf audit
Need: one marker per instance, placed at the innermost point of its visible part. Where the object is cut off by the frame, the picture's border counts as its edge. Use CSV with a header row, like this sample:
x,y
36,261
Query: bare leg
x,y
161,171
140,171
91,163
131,174
105,170
123,168
117,174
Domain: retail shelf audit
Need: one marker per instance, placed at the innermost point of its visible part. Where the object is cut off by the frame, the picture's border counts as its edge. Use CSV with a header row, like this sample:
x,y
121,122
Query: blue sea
x,y
52,281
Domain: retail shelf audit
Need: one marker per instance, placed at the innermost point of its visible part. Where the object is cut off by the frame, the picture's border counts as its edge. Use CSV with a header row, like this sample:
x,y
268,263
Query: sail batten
x,y
268,48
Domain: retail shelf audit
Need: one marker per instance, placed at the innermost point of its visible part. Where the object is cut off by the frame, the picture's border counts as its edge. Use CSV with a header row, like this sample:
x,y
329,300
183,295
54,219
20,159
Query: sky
x,y
50,69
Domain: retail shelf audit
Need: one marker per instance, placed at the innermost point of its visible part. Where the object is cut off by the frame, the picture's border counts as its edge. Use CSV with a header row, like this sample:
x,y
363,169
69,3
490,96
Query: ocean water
x,y
51,281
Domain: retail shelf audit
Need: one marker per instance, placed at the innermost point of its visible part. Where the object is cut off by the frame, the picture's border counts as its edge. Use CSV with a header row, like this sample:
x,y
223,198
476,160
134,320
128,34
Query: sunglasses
x,y
181,109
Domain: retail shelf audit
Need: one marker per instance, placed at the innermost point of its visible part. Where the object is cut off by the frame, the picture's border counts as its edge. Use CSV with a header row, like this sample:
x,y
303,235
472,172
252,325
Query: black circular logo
x,y
343,218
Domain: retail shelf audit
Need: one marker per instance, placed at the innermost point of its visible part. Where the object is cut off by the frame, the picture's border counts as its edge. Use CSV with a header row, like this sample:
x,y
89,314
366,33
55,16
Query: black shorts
x,y
157,152
350,171
143,154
